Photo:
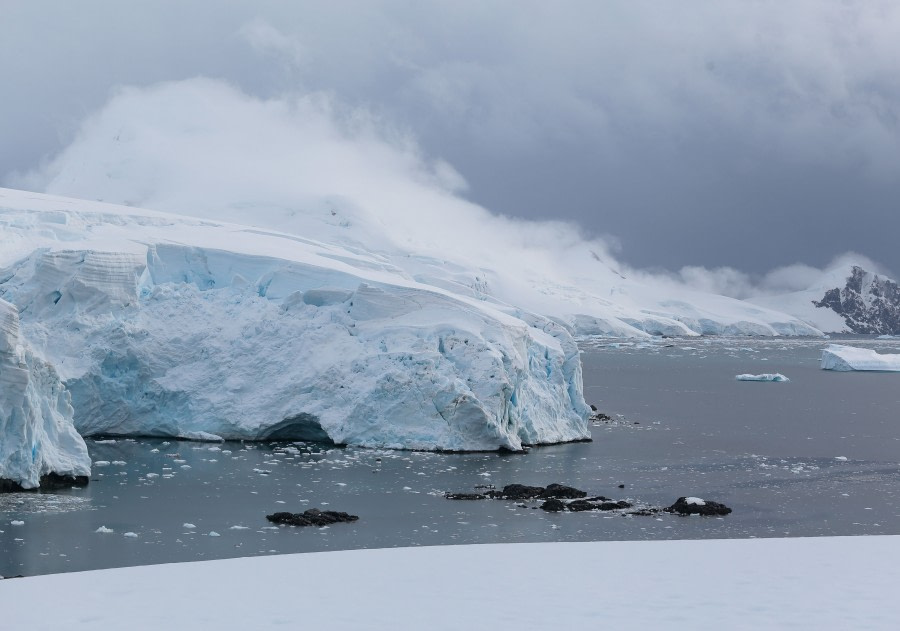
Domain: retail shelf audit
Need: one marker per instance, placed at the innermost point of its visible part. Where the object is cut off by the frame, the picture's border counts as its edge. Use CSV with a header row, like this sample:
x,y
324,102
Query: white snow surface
x,y
37,435
846,358
776,377
166,325
813,583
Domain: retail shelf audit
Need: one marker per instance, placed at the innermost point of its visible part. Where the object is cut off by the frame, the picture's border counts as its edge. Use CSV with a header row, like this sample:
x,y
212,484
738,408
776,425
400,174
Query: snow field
x,y
814,583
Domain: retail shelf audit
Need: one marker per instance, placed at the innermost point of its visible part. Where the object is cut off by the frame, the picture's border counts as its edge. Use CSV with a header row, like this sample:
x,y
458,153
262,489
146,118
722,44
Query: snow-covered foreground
x,y
816,583
846,358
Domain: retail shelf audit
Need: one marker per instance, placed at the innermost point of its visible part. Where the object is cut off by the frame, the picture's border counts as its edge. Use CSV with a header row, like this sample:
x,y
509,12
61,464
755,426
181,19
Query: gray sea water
x,y
819,455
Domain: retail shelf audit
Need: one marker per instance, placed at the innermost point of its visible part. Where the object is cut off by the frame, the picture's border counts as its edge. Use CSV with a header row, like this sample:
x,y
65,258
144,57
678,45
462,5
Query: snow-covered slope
x,y
37,437
769,583
845,299
167,325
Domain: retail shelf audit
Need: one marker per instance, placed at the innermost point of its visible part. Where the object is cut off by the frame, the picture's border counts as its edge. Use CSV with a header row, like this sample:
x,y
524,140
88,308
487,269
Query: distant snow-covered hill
x,y
846,299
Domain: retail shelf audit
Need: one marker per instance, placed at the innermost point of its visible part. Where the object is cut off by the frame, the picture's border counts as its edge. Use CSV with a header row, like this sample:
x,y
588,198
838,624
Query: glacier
x,y
846,358
170,326
39,443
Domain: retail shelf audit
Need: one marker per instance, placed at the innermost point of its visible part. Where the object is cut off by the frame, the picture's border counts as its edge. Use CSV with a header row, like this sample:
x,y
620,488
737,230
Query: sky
x,y
690,136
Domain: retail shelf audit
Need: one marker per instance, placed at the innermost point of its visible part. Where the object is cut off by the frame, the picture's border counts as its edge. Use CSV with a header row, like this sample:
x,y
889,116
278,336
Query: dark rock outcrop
x,y
554,506
517,492
49,482
707,508
561,491
311,517
868,303
581,505
523,492
465,496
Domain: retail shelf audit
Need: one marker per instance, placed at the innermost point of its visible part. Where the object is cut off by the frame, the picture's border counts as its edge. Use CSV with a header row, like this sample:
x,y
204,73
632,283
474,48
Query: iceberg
x,y
846,358
776,377
38,441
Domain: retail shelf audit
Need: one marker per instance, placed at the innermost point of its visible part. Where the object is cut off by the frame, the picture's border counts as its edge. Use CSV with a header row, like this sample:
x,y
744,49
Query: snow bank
x,y
37,436
846,358
763,377
170,326
814,583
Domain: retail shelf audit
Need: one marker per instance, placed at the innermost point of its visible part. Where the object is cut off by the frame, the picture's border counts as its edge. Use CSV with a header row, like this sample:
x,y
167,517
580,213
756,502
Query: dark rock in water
x,y
524,492
554,505
49,482
311,517
613,505
621,486
868,303
707,508
561,491
581,505
597,417
517,492
644,512
465,496
598,498
56,481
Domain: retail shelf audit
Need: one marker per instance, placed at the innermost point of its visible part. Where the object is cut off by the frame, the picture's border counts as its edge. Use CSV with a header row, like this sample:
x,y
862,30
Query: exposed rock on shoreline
x,y
311,517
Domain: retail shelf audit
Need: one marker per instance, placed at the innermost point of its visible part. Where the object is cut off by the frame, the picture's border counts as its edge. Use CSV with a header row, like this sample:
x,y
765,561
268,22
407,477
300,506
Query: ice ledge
x,y
195,341
39,446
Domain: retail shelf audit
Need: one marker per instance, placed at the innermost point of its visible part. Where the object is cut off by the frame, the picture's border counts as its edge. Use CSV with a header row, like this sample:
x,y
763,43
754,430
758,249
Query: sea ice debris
x,y
774,377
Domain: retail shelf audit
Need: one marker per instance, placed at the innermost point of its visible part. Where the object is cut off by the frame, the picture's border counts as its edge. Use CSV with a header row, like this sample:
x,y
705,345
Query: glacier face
x,y
156,329
38,436
179,326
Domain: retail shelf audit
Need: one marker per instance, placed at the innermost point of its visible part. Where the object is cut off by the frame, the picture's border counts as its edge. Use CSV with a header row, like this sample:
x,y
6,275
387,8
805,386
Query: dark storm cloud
x,y
749,134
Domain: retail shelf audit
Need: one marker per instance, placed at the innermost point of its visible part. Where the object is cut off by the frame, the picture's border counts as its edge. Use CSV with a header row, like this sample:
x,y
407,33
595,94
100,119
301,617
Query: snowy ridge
x,y
845,299
165,325
38,437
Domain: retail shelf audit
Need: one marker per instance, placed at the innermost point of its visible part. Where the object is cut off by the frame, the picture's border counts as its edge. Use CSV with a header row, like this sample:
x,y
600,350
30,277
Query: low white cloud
x,y
311,165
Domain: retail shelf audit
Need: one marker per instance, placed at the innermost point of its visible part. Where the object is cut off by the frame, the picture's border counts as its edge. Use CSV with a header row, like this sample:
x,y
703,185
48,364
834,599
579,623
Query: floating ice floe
x,y
846,358
763,377
104,530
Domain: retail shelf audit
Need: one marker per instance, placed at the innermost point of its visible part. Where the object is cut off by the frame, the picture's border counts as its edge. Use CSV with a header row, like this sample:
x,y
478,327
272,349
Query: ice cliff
x,y
38,441
170,326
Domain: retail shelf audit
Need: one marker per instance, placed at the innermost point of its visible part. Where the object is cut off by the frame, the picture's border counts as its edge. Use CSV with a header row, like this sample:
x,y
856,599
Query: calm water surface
x,y
819,455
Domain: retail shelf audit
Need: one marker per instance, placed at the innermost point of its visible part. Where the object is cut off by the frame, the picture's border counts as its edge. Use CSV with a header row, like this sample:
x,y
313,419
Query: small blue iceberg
x,y
764,377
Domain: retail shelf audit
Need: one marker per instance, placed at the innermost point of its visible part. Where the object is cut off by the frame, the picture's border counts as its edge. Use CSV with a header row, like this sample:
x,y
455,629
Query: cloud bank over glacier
x,y
760,122
308,163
